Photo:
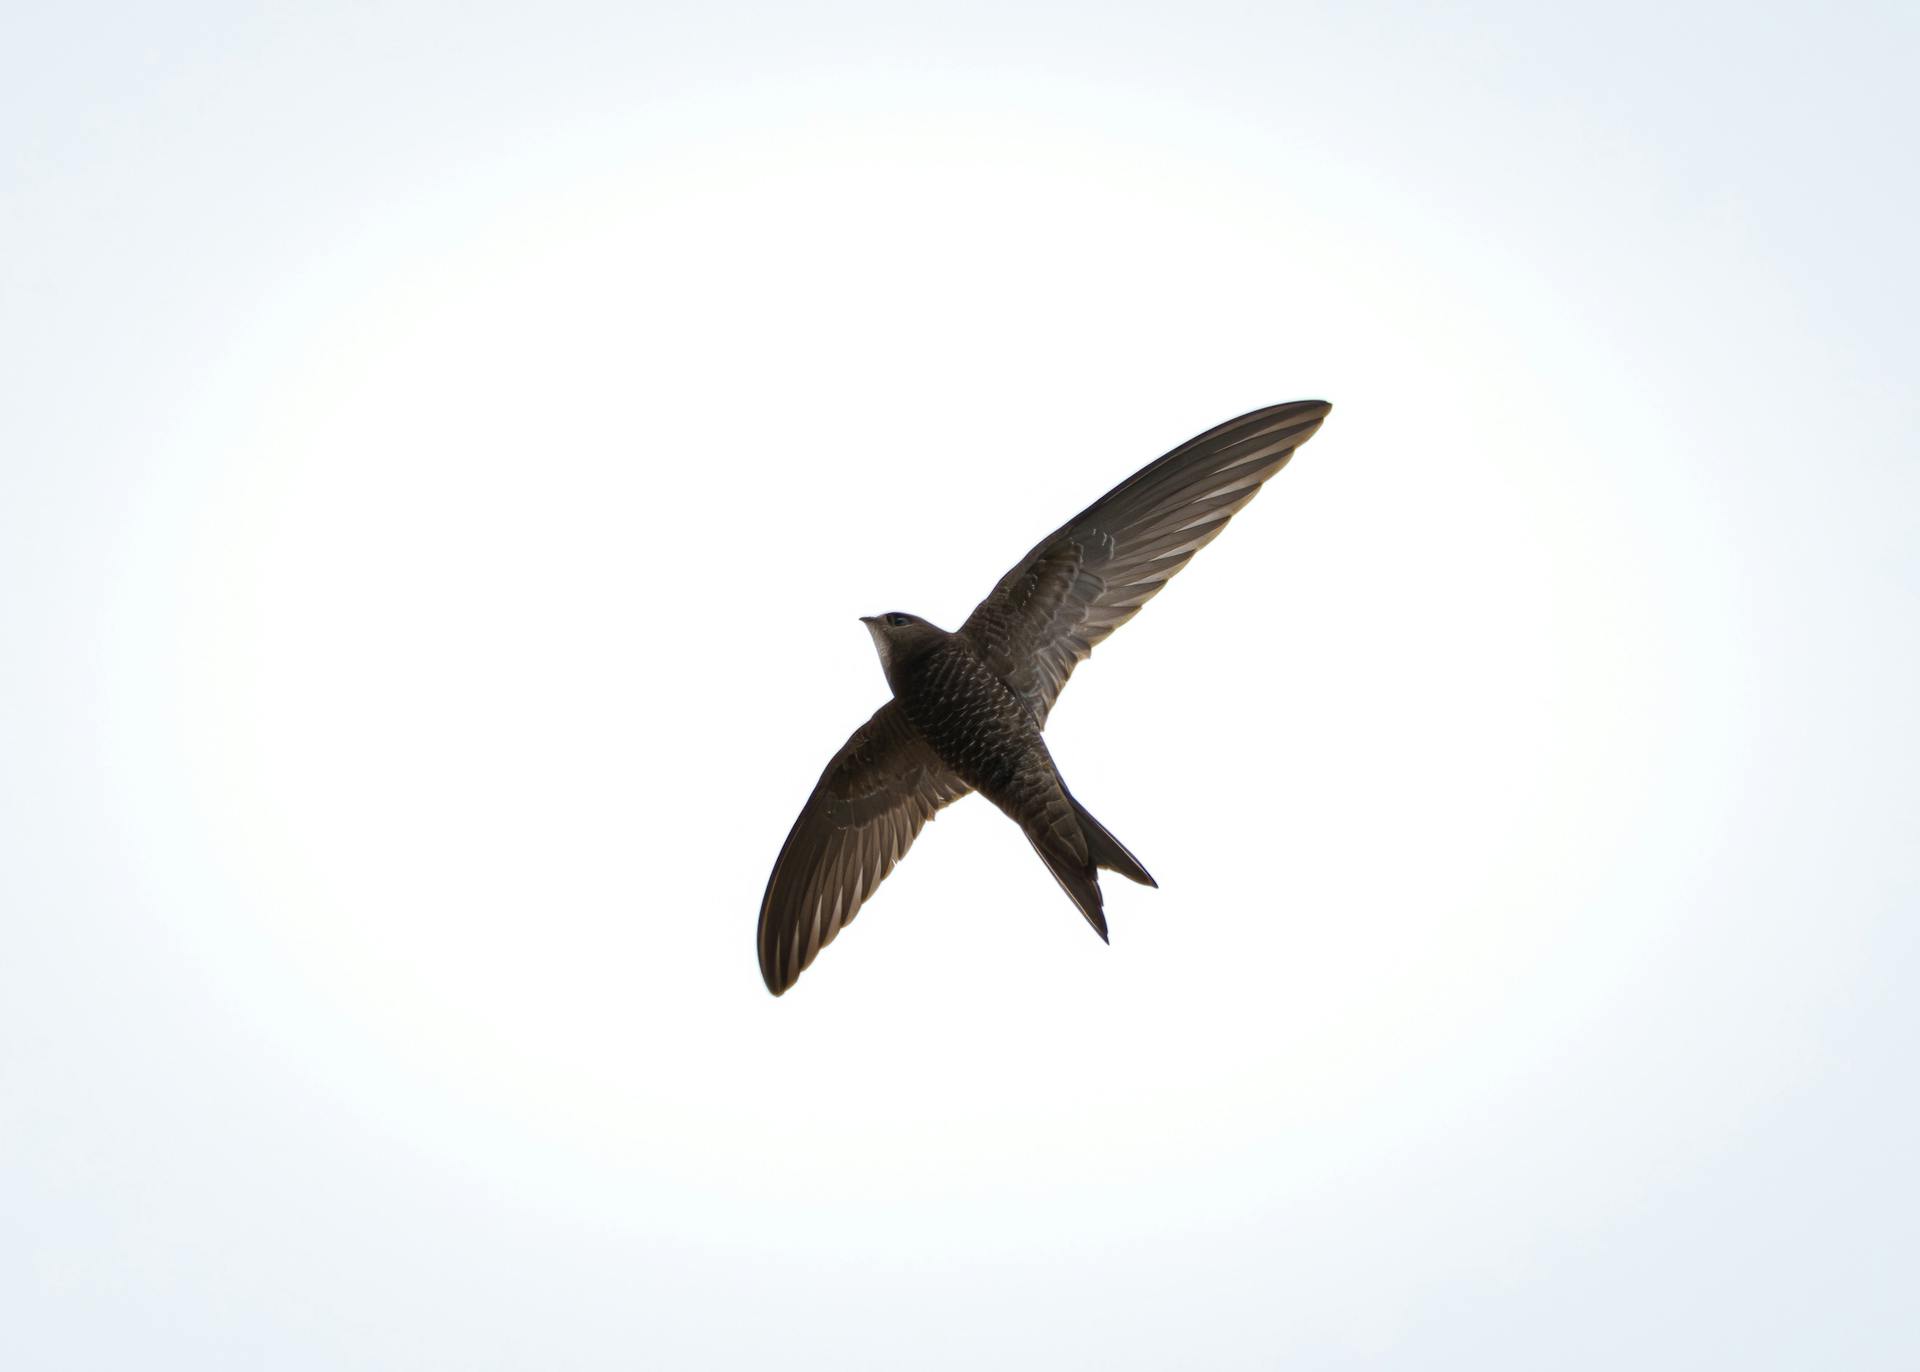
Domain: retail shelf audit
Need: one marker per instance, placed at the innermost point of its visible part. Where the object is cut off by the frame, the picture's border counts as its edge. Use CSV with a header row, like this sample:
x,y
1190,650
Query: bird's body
x,y
970,717
981,731
969,706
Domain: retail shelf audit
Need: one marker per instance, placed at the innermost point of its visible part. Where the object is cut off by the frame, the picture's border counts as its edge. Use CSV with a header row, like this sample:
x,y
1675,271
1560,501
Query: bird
x,y
968,708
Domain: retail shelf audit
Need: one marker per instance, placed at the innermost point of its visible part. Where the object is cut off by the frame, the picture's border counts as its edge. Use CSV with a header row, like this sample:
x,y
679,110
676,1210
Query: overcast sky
x,y
447,448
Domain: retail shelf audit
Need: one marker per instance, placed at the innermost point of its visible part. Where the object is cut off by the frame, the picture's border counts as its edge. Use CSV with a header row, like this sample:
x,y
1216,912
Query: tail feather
x,y
1078,879
1107,851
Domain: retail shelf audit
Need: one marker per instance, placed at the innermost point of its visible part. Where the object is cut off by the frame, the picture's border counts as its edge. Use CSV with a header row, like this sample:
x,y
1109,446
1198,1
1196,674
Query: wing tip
x,y
770,965
1306,412
1301,407
1285,425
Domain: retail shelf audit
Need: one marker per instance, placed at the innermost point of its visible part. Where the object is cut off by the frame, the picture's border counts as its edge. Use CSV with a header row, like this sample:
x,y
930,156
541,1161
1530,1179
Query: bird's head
x,y
899,637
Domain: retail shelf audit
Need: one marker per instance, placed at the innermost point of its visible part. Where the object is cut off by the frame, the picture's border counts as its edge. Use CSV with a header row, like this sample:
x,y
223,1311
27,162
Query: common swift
x,y
968,707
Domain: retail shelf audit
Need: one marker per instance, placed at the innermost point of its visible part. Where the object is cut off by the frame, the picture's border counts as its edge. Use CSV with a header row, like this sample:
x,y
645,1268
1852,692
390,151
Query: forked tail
x,y
1079,876
1078,879
1107,851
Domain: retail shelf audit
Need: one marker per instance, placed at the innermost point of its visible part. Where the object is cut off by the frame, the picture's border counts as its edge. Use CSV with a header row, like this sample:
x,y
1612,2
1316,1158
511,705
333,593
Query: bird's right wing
x,y
871,803
1092,574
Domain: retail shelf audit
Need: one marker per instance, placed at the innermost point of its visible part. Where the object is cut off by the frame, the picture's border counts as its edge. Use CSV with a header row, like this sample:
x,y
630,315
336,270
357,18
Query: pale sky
x,y
448,448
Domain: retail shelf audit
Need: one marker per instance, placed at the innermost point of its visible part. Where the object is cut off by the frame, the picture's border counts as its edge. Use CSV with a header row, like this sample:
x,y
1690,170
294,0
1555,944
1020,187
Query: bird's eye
x,y
897,621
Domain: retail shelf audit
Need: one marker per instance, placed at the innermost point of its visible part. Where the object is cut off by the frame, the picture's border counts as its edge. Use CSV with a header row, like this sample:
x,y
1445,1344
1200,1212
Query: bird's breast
x,y
976,725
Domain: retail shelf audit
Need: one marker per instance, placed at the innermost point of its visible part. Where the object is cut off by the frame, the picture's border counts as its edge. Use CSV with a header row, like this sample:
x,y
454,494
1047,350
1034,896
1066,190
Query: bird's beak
x,y
878,629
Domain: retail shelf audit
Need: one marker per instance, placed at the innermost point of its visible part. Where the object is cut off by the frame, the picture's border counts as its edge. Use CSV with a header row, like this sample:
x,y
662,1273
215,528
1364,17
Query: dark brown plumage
x,y
968,707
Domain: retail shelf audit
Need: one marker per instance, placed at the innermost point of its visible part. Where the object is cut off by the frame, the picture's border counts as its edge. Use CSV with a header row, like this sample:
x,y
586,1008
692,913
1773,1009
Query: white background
x,y
445,451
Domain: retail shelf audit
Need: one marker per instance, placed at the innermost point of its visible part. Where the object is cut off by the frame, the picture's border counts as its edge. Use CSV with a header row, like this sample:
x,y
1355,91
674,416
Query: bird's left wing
x,y
1091,575
871,803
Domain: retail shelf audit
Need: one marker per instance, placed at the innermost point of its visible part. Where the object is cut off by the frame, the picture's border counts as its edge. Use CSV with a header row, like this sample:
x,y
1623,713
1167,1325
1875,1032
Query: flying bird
x,y
968,707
